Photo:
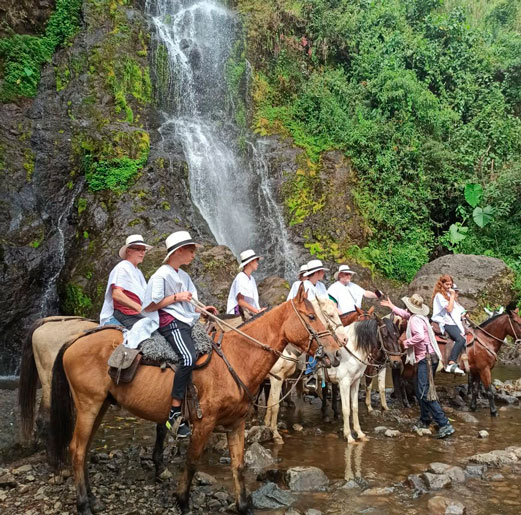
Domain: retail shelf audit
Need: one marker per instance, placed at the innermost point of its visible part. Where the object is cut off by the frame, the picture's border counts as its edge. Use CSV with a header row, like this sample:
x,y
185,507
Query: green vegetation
x,y
423,96
22,56
76,302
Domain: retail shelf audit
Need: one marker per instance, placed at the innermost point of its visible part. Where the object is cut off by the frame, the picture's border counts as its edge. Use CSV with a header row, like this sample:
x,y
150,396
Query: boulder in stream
x,y
439,505
306,479
258,457
270,497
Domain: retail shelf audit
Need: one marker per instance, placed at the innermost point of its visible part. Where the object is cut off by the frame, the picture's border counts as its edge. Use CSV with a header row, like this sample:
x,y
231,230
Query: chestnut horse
x,y
80,375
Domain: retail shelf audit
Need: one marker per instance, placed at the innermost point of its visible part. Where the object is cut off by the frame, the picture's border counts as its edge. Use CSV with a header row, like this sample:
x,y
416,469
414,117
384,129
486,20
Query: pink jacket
x,y
419,334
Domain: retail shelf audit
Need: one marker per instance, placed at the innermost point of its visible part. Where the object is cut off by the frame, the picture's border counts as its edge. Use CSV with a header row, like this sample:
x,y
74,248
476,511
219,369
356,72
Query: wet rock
x,y
497,477
492,459
468,417
273,291
259,434
504,398
23,469
387,490
391,433
439,505
515,450
301,479
483,434
438,468
165,474
203,479
292,511
423,431
258,457
312,511
436,481
456,474
476,470
7,480
218,443
270,497
416,483
380,429
297,427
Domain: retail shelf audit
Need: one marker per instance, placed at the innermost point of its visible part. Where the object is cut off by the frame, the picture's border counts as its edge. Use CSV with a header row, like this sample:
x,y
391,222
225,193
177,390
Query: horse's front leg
x,y
157,454
486,379
200,434
236,446
272,410
474,387
325,390
354,408
334,400
368,390
345,397
381,388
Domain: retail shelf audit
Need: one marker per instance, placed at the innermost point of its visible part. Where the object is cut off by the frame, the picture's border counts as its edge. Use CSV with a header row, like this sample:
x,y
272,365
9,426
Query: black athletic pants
x,y
127,321
459,342
179,336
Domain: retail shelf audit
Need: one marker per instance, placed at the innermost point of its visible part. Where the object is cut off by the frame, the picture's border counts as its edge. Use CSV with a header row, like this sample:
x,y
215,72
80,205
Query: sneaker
x,y
445,431
183,431
454,369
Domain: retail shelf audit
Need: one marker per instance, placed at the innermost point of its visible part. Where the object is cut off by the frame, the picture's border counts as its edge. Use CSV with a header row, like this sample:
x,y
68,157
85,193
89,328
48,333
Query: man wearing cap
x,y
424,351
347,295
313,279
126,285
243,298
168,297
296,285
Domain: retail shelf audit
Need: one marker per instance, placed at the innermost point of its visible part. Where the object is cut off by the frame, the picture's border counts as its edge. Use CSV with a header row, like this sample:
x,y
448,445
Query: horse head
x,y
306,331
389,335
515,324
327,311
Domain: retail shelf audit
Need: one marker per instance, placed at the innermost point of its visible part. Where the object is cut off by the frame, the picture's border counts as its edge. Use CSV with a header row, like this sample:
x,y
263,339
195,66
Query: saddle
x,y
445,342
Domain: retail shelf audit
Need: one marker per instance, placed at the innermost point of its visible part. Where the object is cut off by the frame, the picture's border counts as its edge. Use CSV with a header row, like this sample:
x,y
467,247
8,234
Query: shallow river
x,y
381,461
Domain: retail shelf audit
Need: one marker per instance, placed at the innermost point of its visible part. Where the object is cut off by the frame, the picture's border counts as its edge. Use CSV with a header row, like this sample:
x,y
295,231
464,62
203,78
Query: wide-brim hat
x,y
415,305
314,266
302,269
177,240
133,239
343,269
247,256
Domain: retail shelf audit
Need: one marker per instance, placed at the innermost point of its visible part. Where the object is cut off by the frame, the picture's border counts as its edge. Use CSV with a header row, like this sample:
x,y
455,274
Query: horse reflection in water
x,y
353,456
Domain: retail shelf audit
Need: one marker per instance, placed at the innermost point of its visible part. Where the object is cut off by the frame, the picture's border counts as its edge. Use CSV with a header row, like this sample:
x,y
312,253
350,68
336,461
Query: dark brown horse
x,y
80,380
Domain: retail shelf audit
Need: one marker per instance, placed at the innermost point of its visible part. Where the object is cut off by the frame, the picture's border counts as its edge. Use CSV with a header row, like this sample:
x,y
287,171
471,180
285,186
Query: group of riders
x,y
169,303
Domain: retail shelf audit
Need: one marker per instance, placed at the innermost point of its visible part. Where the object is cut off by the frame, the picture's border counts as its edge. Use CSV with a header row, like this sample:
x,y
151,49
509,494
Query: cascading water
x,y
195,40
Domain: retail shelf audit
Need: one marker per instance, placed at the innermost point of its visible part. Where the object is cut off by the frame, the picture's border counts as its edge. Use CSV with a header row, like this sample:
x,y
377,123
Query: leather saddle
x,y
444,338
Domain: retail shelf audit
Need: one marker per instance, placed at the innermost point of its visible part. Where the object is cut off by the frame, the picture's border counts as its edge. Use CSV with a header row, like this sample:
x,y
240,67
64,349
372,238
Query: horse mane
x,y
491,319
254,317
366,335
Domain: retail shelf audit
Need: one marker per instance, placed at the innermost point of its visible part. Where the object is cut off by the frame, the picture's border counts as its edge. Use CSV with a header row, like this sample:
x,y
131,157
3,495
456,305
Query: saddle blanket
x,y
157,348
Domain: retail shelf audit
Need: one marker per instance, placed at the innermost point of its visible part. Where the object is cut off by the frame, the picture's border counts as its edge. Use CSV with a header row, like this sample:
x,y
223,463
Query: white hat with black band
x,y
343,269
314,266
133,239
177,240
247,256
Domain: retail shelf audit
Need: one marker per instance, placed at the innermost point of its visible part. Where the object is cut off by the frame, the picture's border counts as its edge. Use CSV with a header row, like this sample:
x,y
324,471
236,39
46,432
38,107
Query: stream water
x,y
380,462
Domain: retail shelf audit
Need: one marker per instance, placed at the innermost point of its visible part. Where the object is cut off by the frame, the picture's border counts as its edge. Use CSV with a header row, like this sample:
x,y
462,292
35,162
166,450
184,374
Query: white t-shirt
x,y
315,290
443,317
346,296
247,287
127,276
167,281
321,290
294,290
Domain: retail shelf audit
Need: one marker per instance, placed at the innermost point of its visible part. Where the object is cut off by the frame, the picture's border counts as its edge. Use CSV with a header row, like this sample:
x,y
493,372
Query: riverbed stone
x,y
436,481
423,431
270,497
437,467
483,434
439,505
384,490
204,479
302,479
476,470
23,469
312,511
494,458
416,483
259,434
392,433
515,450
468,418
380,429
258,457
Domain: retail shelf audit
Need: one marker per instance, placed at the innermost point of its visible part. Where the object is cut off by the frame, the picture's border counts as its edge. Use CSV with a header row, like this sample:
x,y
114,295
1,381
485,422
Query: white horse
x,y
327,311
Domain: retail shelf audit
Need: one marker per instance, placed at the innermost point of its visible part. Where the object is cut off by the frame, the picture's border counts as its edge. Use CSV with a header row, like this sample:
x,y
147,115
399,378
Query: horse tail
x,y
62,413
28,382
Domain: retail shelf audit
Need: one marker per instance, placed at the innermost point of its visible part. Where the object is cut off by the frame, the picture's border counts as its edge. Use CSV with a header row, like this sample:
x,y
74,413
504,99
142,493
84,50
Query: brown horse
x,y
40,348
80,375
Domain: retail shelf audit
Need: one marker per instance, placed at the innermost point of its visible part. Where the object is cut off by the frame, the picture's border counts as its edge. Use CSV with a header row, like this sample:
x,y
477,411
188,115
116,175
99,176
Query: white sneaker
x,y
454,369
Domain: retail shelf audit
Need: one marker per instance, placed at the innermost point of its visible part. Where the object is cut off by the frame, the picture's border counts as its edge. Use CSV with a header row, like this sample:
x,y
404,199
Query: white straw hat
x,y
343,269
246,256
415,305
177,240
302,269
314,266
133,239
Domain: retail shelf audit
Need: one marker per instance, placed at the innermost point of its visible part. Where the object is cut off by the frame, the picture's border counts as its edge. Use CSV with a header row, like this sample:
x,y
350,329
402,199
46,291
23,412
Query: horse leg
x,y
198,440
157,454
354,407
236,446
345,387
475,386
368,389
334,400
83,430
381,388
486,379
325,390
272,411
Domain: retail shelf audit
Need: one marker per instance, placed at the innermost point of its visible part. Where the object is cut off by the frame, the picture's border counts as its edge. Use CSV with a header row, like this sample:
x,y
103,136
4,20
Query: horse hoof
x,y
350,439
363,438
494,413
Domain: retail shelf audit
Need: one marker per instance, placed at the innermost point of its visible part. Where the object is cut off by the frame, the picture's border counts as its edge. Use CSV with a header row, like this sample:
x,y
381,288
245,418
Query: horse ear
x,y
371,310
301,294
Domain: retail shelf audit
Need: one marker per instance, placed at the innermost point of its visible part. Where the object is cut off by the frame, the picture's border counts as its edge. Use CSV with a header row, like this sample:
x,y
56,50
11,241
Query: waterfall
x,y
234,194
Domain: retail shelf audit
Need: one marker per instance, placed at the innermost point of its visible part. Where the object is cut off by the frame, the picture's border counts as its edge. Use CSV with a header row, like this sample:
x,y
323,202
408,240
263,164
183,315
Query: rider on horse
x,y
447,312
313,279
420,337
296,285
169,292
347,295
126,285
243,298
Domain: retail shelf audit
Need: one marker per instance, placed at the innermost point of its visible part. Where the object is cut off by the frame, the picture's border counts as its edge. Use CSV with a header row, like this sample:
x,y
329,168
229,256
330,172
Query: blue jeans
x,y
459,342
429,410
311,365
